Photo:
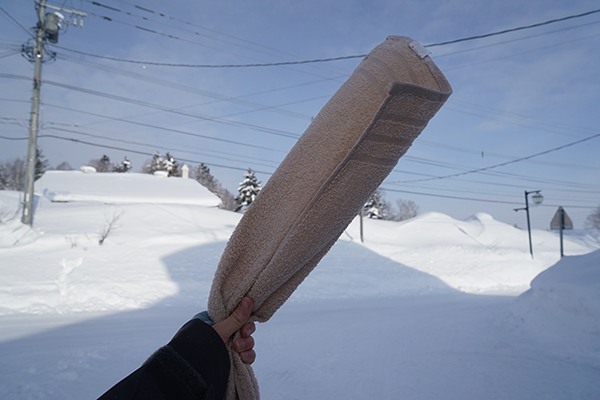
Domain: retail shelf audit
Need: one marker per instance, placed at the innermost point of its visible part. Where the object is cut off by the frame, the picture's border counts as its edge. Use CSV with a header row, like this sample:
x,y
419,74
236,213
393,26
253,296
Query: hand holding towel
x,y
344,155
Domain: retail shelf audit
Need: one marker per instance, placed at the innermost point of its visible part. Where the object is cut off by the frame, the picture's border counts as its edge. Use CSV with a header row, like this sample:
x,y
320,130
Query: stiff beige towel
x,y
344,155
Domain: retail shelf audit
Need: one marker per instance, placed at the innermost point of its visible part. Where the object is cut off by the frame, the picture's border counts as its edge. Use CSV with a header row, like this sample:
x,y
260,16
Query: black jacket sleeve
x,y
193,365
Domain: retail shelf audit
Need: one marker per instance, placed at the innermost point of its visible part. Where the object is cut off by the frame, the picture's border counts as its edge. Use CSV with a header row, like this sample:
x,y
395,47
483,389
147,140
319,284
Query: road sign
x,y
561,220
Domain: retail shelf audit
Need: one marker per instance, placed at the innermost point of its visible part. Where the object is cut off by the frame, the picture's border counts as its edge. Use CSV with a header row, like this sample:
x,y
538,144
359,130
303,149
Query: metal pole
x,y
362,238
34,117
528,223
562,226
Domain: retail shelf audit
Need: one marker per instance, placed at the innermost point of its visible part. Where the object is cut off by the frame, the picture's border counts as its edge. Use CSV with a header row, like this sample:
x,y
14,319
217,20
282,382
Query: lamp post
x,y
537,200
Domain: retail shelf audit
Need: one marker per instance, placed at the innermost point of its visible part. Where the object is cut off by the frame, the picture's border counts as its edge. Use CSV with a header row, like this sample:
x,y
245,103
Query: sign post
x,y
561,221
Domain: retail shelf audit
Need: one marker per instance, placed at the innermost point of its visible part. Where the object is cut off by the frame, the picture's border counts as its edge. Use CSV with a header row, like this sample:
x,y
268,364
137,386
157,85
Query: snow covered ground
x,y
428,308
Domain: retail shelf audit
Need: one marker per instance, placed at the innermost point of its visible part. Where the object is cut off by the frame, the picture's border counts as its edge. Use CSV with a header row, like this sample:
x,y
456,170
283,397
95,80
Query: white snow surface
x,y
430,308
65,186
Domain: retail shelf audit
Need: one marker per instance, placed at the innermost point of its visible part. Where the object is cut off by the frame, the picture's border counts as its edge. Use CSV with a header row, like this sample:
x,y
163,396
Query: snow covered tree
x,y
171,165
204,177
102,165
41,164
158,163
124,166
593,220
154,164
248,190
376,207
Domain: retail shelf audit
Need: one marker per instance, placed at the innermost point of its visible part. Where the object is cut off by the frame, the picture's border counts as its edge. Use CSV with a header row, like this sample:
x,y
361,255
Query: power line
x,y
105,146
504,163
329,59
251,65
17,22
519,28
271,131
471,198
170,148
180,22
218,97
443,196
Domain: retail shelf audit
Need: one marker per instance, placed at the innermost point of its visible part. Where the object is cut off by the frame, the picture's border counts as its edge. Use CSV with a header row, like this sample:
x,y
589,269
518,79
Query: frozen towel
x,y
344,155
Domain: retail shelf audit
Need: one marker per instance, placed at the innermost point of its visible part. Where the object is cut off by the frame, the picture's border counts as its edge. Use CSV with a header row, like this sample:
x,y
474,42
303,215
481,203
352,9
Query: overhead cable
x,y
489,167
329,59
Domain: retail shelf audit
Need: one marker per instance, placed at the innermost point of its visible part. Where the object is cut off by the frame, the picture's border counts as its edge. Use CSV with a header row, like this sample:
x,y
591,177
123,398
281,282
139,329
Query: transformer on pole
x,y
47,28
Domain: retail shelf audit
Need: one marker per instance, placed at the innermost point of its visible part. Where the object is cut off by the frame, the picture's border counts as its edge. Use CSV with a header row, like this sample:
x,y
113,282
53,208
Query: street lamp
x,y
537,200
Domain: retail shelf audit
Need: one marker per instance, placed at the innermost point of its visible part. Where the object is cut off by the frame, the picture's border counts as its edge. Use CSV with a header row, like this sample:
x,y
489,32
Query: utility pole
x,y
537,200
38,56
47,27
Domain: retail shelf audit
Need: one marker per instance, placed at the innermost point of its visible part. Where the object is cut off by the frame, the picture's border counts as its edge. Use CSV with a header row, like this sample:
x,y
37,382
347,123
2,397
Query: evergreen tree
x,y
168,164
154,164
248,190
205,178
171,165
124,166
41,164
376,207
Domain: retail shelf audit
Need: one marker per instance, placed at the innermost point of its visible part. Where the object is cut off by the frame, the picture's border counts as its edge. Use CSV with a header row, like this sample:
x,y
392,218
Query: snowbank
x,y
68,186
385,319
562,308
479,255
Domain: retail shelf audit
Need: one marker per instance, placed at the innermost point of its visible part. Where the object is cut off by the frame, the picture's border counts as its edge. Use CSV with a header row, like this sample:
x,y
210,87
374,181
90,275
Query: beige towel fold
x,y
344,155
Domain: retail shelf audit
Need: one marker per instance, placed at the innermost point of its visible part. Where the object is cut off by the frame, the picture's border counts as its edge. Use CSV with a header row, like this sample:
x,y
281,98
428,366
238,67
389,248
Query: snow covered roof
x,y
68,186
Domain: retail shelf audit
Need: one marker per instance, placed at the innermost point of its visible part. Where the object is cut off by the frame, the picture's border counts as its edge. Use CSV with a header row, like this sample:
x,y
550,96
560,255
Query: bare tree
x,y
12,174
64,166
111,220
228,201
203,175
593,220
102,165
405,209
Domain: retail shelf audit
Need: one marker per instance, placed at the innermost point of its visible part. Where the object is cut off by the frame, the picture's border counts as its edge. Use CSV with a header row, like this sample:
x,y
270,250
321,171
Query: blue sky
x,y
515,95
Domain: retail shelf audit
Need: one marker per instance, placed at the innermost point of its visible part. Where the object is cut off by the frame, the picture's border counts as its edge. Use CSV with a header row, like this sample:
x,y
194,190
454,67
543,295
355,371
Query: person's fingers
x,y
248,329
243,344
248,357
236,320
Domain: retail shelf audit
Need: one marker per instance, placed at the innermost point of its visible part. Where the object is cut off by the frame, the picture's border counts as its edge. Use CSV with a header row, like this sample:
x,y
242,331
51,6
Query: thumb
x,y
236,320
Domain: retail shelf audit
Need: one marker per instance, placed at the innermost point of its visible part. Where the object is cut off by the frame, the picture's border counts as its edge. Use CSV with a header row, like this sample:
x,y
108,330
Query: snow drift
x,y
432,307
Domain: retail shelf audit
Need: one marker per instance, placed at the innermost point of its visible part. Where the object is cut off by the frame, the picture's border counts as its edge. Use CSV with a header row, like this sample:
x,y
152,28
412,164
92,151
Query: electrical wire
x,y
476,170
359,56
10,17
329,59
516,29
271,131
